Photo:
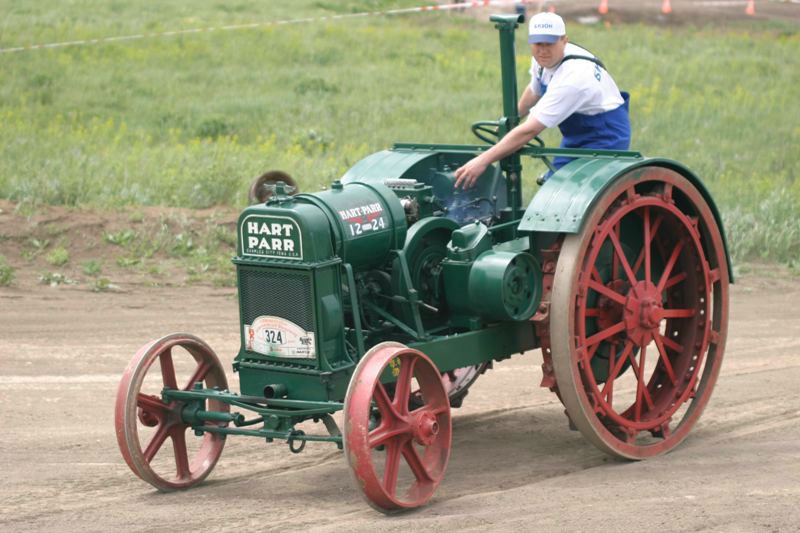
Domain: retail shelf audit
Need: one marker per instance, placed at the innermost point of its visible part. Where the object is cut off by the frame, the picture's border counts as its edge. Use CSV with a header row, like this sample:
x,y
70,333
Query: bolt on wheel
x,y
397,455
639,314
144,422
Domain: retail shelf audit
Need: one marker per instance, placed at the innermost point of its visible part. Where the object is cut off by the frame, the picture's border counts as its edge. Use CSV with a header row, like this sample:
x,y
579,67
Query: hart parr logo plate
x,y
278,337
364,219
271,236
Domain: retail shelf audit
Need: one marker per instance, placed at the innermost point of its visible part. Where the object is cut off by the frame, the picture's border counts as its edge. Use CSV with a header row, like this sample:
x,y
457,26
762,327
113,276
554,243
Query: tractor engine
x,y
324,276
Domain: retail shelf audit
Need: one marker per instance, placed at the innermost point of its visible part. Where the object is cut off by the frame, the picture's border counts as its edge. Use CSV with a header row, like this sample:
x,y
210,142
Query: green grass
x,y
191,120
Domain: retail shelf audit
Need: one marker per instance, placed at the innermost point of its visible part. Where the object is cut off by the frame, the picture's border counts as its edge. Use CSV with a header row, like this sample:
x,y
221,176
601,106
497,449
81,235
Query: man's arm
x,y
467,175
527,101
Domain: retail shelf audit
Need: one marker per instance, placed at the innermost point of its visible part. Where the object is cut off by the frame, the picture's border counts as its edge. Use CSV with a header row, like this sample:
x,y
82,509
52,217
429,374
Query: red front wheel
x,y
398,455
144,423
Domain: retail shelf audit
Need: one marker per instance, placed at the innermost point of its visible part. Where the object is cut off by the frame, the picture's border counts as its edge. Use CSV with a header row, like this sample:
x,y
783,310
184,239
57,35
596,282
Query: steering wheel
x,y
483,129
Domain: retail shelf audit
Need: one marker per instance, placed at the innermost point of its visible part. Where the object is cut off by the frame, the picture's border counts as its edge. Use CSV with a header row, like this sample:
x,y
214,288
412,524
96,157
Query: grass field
x,y
191,120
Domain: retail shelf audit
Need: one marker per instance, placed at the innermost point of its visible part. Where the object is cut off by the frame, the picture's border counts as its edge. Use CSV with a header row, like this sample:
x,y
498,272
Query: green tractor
x,y
387,295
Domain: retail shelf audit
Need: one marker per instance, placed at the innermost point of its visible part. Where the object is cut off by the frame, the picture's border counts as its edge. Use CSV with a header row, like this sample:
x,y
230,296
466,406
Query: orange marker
x,y
603,9
751,7
666,7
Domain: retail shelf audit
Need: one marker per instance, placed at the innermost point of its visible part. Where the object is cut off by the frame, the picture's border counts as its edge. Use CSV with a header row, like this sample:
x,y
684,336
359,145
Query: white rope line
x,y
390,12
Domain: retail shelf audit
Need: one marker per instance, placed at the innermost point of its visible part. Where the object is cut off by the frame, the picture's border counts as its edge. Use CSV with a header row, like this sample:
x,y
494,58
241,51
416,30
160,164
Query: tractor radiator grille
x,y
282,294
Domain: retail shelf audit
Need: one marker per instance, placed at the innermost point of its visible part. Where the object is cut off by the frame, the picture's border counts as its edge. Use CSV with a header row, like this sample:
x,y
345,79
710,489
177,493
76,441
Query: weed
x,y
39,245
182,245
103,285
55,279
315,85
155,270
128,262
58,257
213,128
121,238
92,267
6,272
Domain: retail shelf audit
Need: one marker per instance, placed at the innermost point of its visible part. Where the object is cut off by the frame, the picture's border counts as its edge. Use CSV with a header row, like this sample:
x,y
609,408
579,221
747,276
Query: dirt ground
x,y
515,466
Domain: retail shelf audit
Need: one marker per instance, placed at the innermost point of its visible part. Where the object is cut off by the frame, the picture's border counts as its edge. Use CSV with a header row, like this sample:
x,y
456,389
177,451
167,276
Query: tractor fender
x,y
564,201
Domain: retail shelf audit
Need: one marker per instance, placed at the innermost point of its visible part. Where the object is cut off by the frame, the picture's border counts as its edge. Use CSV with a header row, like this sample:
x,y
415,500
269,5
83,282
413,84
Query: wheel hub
x,y
425,427
643,312
147,418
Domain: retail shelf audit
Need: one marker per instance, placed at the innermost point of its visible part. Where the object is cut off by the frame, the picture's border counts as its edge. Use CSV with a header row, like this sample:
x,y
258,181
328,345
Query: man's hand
x,y
467,175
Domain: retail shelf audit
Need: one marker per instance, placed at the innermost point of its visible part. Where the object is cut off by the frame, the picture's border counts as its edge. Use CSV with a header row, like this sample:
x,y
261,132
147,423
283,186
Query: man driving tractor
x,y
571,89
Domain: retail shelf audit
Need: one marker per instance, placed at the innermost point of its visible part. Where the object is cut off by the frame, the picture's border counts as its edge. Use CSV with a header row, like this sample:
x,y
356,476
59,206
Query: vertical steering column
x,y
511,165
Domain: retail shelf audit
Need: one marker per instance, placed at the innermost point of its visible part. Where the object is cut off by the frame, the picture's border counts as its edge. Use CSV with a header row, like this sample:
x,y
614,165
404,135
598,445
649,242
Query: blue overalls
x,y
610,130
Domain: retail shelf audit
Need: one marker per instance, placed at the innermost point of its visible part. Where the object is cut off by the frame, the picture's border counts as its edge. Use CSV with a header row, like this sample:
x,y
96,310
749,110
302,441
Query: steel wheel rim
x,y
401,431
612,428
134,408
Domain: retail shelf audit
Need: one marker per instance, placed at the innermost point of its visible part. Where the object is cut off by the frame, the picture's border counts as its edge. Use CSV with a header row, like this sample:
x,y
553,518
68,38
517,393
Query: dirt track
x,y
515,465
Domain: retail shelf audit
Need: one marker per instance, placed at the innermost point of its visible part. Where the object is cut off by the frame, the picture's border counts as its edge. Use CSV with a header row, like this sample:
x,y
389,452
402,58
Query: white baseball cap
x,y
546,28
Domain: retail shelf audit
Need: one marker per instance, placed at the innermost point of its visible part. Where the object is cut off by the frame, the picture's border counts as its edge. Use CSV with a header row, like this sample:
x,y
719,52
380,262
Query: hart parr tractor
x,y
387,295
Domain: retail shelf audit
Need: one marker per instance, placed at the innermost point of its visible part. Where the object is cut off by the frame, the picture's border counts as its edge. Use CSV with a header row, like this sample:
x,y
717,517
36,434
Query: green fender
x,y
563,202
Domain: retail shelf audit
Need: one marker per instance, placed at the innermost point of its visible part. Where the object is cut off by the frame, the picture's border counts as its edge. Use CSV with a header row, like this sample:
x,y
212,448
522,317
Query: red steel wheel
x,y
398,456
639,314
136,411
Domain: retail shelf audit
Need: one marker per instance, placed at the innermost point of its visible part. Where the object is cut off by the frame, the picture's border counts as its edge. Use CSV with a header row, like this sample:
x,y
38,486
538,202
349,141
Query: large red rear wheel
x,y
144,423
639,314
398,456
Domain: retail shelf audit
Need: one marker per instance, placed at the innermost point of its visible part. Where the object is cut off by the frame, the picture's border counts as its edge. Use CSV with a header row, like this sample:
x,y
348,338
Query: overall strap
x,y
574,56
586,58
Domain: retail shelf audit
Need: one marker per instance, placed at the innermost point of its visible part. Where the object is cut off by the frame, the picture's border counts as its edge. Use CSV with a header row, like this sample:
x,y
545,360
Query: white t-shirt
x,y
574,86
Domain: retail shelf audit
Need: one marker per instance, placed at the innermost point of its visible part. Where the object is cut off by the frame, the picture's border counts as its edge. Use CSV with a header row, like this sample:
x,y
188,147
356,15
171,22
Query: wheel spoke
x,y
384,403
674,280
200,373
672,345
623,260
614,258
665,358
402,391
155,443
641,387
391,466
606,333
593,312
647,261
415,462
607,292
381,434
151,404
653,230
626,351
679,313
168,369
670,264
608,390
181,453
